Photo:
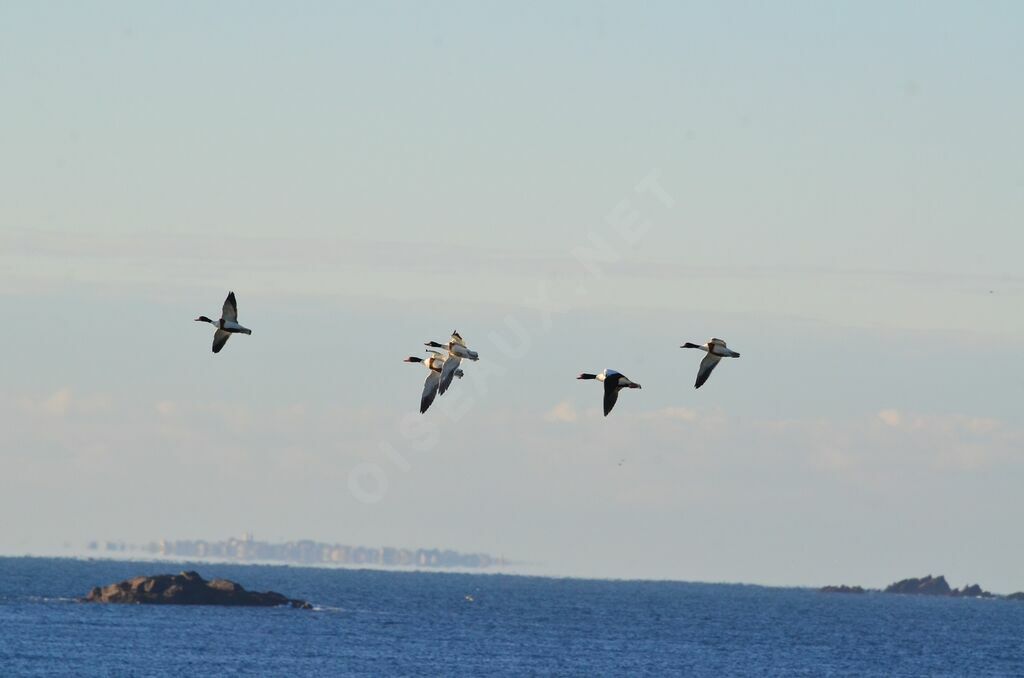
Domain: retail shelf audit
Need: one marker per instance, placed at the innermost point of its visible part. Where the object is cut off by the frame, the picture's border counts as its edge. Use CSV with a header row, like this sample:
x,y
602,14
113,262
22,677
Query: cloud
x,y
63,402
672,413
834,459
59,402
890,417
166,408
564,412
897,441
941,424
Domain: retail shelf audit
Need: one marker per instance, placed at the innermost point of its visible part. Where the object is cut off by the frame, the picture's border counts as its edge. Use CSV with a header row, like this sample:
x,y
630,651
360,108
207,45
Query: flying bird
x,y
716,350
457,351
434,363
227,325
613,383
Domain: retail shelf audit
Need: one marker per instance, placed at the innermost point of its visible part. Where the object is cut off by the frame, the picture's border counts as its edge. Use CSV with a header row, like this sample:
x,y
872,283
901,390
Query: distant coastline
x,y
514,569
301,552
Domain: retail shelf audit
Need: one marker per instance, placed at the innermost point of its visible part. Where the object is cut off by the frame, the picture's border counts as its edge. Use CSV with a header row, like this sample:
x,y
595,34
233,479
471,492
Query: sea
x,y
386,623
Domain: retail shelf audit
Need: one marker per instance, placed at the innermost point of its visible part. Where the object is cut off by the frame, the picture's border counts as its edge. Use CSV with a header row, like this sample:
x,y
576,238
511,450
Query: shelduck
x,y
613,383
457,352
434,364
227,325
716,350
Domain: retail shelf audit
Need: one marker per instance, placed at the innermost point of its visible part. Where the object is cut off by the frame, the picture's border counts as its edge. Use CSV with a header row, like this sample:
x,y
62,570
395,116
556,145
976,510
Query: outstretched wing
x,y
706,366
465,353
451,364
611,394
220,337
230,311
429,390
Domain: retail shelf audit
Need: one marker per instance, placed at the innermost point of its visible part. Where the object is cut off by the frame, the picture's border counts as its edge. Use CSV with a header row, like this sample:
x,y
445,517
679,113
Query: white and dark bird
x,y
227,325
613,383
457,352
434,364
716,350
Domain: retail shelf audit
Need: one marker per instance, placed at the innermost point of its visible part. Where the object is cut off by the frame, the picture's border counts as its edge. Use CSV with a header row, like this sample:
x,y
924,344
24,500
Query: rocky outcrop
x,y
926,586
972,591
187,588
842,589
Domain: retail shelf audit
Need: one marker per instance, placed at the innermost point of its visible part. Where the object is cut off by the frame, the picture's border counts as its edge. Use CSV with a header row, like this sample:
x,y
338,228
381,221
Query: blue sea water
x,y
412,623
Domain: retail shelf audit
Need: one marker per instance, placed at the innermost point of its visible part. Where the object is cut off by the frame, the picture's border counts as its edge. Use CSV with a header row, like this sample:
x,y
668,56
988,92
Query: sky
x,y
835,189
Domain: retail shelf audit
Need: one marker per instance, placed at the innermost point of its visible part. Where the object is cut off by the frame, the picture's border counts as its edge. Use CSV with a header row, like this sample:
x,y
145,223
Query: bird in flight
x,y
613,383
434,364
716,350
227,325
457,352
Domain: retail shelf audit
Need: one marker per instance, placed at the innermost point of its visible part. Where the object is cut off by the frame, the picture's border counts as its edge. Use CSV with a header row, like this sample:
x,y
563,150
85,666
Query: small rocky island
x,y
925,586
842,589
187,588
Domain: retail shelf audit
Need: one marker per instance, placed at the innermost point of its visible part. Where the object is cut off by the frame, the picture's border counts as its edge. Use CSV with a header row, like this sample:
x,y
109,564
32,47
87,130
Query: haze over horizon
x,y
575,186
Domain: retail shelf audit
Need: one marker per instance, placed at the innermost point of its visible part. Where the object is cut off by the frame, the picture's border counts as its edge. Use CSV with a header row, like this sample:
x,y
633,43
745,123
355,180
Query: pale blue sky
x,y
846,185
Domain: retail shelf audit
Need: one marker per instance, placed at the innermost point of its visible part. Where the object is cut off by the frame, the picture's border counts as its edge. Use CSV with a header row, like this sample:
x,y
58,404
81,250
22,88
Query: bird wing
x,y
706,365
463,352
451,364
429,390
220,337
230,311
611,394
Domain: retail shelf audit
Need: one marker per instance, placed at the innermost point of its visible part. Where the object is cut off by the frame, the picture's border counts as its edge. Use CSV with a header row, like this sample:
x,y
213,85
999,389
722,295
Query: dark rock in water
x,y
928,586
972,591
1016,596
187,588
842,589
